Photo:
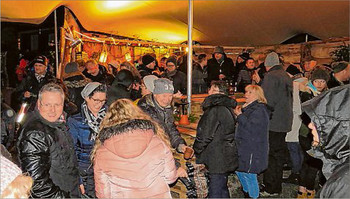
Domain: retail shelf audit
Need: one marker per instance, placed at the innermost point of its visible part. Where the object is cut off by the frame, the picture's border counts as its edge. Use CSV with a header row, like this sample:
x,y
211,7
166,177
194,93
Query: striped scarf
x,y
93,122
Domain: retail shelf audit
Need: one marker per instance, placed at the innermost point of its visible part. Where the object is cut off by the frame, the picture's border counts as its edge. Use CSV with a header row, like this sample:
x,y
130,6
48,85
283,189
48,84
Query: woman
x,y
132,156
252,139
84,128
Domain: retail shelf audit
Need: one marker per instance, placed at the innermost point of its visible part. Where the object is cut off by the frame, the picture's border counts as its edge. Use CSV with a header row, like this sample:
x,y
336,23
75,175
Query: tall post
x,y
56,47
189,55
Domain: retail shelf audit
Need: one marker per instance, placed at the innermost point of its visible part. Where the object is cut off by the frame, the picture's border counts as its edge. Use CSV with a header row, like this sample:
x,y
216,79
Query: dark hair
x,y
100,89
221,85
201,57
250,58
163,59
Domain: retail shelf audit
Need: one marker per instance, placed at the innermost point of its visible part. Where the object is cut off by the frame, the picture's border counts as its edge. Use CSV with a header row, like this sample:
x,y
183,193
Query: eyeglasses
x,y
98,100
50,106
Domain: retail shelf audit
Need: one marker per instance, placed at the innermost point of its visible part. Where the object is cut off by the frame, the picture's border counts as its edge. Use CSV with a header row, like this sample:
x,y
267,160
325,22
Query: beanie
x,y
147,59
172,60
319,74
71,67
9,171
149,82
89,88
124,77
272,59
219,49
339,66
41,60
163,85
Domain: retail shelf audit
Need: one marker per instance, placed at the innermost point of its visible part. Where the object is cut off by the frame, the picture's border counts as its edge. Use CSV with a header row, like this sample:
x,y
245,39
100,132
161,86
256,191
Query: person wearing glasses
x,y
45,148
84,128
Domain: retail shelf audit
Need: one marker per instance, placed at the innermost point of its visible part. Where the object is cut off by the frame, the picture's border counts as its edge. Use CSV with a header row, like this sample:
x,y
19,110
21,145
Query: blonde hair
x,y
18,188
258,91
124,110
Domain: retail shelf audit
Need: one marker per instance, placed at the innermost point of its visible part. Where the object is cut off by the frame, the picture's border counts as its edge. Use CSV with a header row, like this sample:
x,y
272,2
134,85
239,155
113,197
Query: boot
x,y
302,194
311,194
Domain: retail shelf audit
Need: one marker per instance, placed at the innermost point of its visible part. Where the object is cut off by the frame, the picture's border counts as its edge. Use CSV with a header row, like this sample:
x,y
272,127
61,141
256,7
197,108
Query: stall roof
x,y
229,23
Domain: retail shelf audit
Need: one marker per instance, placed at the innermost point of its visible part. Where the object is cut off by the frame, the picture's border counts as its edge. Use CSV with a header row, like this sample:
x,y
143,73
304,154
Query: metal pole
x,y
189,55
56,46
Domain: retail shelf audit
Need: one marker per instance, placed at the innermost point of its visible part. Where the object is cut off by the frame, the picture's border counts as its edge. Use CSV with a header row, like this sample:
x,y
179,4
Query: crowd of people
x,y
109,132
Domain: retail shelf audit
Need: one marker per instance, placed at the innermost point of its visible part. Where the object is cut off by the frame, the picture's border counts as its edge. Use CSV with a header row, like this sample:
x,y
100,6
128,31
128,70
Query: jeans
x,y
249,182
296,156
218,186
273,174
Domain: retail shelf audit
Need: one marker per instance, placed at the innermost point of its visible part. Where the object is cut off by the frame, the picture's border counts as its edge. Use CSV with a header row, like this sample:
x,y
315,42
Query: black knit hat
x,y
319,73
147,59
124,77
41,60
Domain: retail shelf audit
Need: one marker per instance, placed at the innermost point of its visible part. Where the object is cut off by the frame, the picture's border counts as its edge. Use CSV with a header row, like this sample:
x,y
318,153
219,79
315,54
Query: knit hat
x,y
147,59
149,82
219,49
9,171
272,59
244,56
89,88
319,74
41,60
339,66
124,77
163,85
172,60
71,67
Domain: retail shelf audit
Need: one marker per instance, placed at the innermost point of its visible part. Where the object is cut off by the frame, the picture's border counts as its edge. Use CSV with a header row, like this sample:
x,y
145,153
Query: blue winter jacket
x,y
252,138
80,131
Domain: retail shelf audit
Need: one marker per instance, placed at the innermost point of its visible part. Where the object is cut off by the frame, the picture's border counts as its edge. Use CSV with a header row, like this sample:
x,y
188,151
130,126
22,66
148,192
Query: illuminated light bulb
x,y
127,57
186,49
103,57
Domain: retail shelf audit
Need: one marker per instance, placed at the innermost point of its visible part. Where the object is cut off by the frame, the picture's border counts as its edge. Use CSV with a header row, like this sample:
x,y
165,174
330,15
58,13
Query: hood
x,y
128,140
124,78
218,100
330,114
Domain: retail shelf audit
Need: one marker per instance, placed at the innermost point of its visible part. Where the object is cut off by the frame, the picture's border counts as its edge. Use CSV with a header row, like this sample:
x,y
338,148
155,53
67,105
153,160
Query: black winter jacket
x,y
75,84
164,116
278,89
252,138
179,81
46,152
215,145
215,69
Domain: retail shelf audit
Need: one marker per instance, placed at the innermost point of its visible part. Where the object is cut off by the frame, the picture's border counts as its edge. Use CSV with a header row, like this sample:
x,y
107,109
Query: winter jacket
x,y
333,82
278,89
199,79
252,138
179,81
215,68
338,185
132,162
75,83
144,71
45,151
83,145
215,144
329,112
244,79
293,135
164,116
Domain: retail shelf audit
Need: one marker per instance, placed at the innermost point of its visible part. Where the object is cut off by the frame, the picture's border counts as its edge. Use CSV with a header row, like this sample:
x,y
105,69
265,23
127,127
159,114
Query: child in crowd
x,y
252,139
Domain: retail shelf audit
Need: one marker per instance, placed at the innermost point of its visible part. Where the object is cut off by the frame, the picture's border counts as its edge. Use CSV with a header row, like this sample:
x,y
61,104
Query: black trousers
x,y
274,173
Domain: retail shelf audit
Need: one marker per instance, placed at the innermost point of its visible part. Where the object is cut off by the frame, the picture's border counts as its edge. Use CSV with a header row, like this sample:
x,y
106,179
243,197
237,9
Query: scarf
x,y
93,122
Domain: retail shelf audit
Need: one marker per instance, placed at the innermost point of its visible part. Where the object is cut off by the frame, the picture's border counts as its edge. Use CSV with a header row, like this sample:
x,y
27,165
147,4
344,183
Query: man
x,y
45,148
178,78
148,65
97,73
278,89
245,75
330,125
158,106
214,145
340,74
220,67
29,88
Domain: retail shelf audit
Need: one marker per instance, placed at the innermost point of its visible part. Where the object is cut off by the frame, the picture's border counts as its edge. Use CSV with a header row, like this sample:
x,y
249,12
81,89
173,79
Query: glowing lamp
x,y
128,57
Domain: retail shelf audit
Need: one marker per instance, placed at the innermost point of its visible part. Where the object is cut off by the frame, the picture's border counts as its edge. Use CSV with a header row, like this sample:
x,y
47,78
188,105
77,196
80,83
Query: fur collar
x,y
125,127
